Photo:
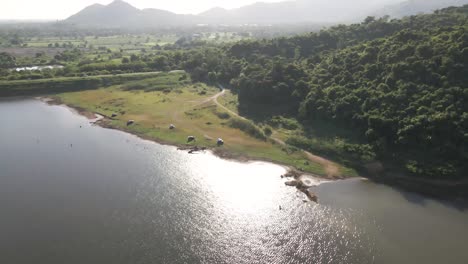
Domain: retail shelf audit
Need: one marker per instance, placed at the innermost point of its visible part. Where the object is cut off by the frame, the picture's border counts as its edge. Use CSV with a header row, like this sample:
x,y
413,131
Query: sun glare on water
x,y
239,188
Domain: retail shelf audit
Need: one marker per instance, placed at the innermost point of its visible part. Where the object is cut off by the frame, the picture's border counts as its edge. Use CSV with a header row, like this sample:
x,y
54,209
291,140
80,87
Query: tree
x,y
134,58
7,60
212,77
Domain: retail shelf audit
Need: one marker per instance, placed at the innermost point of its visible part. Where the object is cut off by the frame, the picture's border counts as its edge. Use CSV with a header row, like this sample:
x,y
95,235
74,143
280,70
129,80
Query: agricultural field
x,y
125,43
112,42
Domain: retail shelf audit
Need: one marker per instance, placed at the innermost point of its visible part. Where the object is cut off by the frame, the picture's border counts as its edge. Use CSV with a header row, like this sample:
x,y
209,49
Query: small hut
x,y
190,139
130,122
171,127
114,115
220,142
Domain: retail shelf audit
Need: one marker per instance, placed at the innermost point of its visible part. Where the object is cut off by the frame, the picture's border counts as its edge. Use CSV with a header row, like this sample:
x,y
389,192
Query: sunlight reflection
x,y
244,189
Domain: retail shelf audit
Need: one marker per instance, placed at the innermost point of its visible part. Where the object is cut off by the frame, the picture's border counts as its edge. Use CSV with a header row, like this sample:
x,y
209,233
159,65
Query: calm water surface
x,y
93,195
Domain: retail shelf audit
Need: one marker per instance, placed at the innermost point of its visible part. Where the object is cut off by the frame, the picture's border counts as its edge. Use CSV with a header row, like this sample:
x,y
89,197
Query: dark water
x,y
93,195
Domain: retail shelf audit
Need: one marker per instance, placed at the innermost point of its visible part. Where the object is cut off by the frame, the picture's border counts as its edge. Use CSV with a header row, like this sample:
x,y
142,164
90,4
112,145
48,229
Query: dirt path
x,y
332,169
215,99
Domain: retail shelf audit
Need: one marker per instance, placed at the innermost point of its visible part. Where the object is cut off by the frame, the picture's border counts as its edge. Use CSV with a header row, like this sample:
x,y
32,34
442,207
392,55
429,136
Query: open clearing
x,y
194,112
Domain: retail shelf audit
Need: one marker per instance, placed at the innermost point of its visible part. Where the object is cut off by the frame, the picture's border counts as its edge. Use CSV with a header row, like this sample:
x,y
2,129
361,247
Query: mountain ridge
x,y
413,7
121,14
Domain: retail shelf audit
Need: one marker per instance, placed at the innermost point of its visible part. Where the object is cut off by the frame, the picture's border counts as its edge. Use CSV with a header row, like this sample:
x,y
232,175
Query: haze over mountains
x,y
122,14
413,7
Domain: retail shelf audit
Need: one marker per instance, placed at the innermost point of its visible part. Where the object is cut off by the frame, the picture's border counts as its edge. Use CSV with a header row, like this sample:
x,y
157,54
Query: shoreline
x,y
103,121
440,189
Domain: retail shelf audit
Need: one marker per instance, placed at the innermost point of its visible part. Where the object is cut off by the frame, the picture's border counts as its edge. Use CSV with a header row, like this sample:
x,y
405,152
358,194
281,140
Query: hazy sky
x,y
60,9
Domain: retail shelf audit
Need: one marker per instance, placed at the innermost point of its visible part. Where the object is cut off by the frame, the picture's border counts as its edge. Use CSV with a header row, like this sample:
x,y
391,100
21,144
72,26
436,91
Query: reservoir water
x,y
71,192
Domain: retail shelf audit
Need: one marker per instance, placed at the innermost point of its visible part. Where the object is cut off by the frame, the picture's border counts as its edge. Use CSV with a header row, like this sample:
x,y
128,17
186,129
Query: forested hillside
x,y
400,86
388,90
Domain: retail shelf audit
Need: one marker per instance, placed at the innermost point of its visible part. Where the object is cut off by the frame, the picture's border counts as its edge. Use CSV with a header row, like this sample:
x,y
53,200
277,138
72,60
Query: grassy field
x,y
57,85
284,129
156,103
129,42
117,41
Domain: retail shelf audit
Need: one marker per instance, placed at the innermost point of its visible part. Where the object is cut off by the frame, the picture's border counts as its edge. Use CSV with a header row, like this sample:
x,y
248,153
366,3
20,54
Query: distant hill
x,y
299,11
414,7
122,14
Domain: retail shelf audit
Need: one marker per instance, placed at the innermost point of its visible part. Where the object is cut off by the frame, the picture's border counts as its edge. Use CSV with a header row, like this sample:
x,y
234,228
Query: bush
x,y
164,82
267,130
222,115
248,127
286,123
344,152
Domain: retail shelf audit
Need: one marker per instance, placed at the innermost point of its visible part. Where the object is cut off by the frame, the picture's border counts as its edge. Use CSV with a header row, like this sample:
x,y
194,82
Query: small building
x,y
220,142
130,122
191,138
113,115
171,127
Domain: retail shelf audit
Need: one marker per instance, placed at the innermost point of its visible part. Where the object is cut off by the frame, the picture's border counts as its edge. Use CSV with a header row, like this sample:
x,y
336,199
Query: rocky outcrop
x,y
312,196
301,184
293,183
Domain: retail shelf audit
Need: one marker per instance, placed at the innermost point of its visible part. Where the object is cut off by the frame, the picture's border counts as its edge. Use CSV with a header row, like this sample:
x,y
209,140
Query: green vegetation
x,y
6,60
248,127
192,112
388,90
163,82
57,85
400,85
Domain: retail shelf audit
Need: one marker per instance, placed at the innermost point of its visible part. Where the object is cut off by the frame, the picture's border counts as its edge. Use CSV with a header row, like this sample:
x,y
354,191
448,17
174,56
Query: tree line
x,y
399,85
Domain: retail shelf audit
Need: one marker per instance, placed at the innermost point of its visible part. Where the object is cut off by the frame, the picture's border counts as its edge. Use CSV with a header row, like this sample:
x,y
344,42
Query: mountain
x,y
104,15
122,14
299,11
413,7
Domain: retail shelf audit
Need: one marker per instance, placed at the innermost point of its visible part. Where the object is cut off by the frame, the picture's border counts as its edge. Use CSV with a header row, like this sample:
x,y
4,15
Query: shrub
x,y
286,123
267,130
248,127
222,115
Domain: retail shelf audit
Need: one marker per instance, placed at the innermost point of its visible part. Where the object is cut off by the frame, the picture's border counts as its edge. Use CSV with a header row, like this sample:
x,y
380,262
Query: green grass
x,y
130,43
165,83
322,137
230,101
190,108
156,100
62,84
113,42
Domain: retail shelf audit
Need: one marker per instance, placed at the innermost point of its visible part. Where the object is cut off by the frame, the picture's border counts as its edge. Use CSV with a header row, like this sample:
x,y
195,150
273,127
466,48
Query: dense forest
x,y
399,86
